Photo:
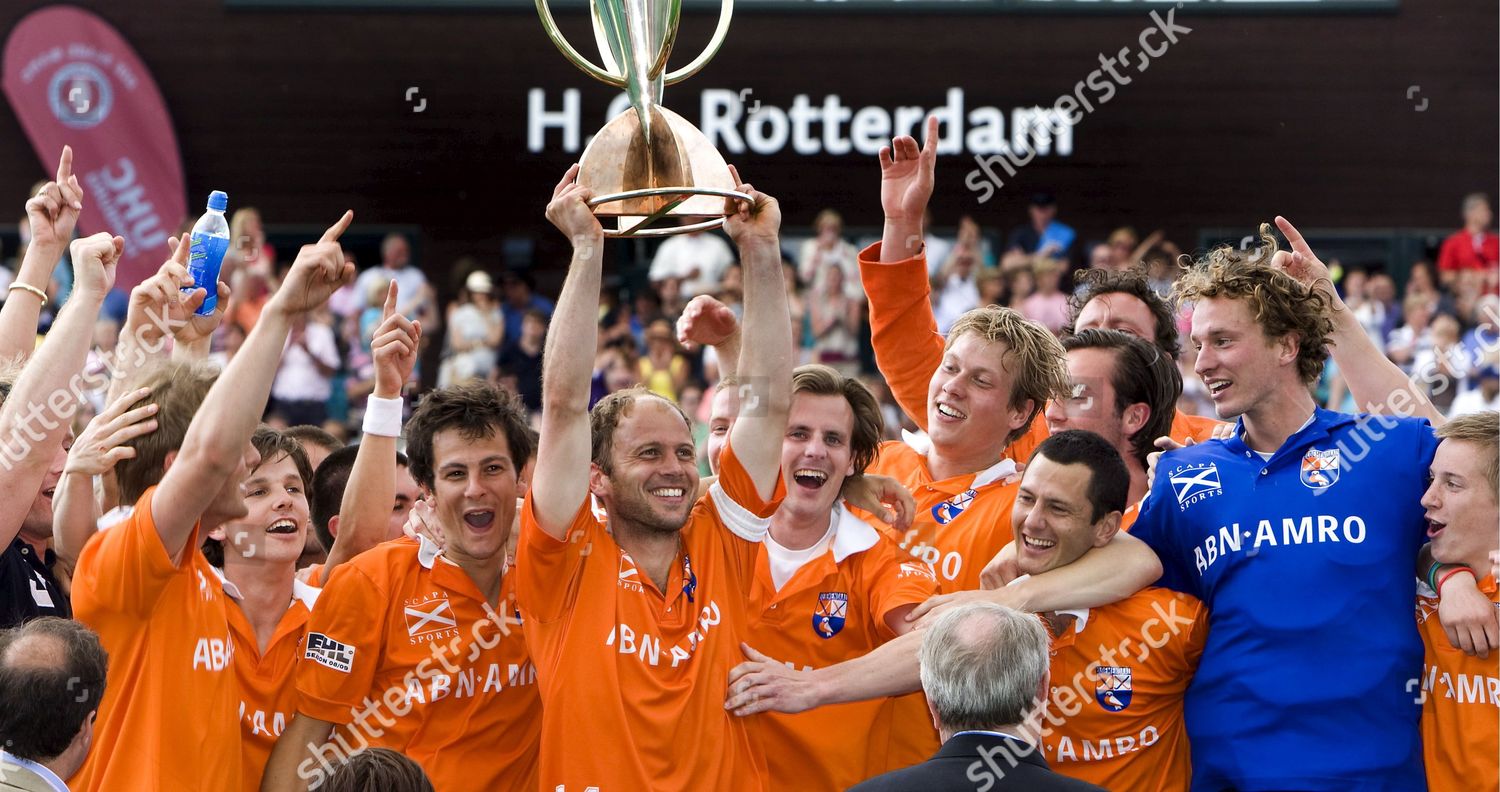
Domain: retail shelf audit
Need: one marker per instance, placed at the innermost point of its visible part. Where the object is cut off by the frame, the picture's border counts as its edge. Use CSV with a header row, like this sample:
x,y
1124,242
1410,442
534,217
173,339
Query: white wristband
x,y
383,416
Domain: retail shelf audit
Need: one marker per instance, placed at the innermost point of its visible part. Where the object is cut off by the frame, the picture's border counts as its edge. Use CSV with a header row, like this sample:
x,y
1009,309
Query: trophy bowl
x,y
648,168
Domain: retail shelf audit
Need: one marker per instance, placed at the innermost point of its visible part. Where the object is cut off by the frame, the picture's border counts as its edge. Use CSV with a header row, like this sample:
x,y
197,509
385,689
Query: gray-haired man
x,y
984,670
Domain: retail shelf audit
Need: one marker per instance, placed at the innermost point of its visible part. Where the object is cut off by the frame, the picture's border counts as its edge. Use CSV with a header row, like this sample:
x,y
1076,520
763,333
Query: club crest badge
x,y
948,511
828,618
1112,687
1320,469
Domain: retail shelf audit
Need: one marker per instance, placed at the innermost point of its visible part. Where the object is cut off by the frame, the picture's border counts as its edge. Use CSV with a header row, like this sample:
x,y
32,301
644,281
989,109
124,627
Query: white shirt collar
x,y
41,770
307,595
850,534
428,552
921,443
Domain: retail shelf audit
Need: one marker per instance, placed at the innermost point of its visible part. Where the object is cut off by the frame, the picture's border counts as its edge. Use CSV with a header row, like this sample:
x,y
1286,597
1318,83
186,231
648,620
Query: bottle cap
x,y
218,201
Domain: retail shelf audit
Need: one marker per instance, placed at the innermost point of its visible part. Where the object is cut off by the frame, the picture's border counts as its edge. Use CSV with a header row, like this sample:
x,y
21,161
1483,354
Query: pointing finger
x,y
390,301
337,229
65,165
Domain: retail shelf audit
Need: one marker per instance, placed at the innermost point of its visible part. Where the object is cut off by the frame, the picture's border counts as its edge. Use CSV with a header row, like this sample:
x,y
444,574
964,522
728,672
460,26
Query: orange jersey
x,y
1461,694
404,652
268,690
168,718
833,609
1119,675
633,678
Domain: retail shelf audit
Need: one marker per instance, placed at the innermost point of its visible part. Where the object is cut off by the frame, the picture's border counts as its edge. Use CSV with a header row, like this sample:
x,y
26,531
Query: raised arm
x,y
75,511
1375,382
765,366
563,456
217,437
52,213
33,418
707,322
366,509
160,307
903,330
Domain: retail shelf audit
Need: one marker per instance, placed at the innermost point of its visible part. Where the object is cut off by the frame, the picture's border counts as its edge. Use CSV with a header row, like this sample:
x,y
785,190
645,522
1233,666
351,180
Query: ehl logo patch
x,y
828,619
326,651
948,511
1112,687
1194,483
1320,469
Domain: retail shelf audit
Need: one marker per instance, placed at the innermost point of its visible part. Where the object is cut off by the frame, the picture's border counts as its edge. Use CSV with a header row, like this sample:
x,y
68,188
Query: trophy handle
x,y
669,37
726,11
550,26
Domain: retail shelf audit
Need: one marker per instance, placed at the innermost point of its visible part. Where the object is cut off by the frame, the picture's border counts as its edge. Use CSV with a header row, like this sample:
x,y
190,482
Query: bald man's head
x,y
51,682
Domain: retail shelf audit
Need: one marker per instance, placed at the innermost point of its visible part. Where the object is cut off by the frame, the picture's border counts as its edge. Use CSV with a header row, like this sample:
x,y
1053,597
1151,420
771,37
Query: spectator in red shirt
x,y
1474,247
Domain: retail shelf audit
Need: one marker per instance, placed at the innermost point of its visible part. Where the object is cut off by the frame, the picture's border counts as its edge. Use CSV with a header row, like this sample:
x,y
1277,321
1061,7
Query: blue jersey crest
x,y
1320,469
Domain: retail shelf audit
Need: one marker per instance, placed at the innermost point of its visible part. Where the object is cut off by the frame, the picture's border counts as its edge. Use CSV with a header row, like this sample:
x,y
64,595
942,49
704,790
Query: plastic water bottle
x,y
210,242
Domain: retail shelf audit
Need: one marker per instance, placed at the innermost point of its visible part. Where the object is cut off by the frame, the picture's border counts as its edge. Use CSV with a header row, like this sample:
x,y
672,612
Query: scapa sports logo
x,y
1195,482
328,652
428,616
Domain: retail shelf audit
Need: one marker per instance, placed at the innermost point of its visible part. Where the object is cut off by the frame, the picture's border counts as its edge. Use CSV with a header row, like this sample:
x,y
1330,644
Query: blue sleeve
x,y
1157,527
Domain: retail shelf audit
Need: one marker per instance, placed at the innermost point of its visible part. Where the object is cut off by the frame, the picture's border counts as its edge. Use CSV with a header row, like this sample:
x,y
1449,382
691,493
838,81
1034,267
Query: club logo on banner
x,y
72,79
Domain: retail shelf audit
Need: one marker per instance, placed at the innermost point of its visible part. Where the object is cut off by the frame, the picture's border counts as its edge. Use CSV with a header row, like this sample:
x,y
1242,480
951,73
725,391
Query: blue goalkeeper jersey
x,y
1305,562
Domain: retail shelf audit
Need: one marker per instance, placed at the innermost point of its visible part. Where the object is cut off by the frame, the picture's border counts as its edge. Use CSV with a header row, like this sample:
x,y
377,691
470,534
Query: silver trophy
x,y
648,167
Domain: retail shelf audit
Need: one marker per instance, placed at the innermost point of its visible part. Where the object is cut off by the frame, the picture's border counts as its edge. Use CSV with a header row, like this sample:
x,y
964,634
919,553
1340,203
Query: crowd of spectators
x,y
1439,323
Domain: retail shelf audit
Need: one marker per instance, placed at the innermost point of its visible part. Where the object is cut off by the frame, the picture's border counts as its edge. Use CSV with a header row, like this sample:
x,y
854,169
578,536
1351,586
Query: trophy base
x,y
652,178
642,226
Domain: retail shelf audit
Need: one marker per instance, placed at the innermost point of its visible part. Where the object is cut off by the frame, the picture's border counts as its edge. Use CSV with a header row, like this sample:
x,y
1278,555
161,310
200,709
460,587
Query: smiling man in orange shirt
x,y
636,618
169,717
1461,692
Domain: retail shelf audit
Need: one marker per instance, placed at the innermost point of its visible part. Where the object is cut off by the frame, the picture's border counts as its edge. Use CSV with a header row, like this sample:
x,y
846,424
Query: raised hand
x,y
54,211
756,222
158,303
394,346
706,322
187,326
318,271
1300,262
906,175
569,211
94,260
102,443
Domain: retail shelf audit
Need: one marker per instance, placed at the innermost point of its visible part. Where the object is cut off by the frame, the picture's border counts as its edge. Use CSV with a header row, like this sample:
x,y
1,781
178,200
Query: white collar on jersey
x,y
1081,614
428,552
308,595
921,443
850,534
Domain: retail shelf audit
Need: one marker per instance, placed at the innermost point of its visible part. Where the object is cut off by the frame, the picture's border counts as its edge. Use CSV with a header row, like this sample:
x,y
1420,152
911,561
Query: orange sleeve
x,y
895,579
344,646
549,571
903,329
738,485
1199,427
124,568
1021,448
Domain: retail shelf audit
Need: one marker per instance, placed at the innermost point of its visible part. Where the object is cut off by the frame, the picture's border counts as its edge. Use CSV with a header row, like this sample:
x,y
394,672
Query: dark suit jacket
x,y
960,767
